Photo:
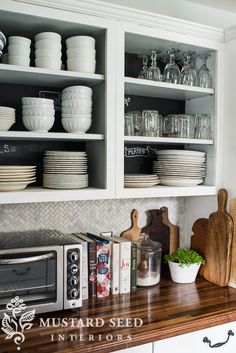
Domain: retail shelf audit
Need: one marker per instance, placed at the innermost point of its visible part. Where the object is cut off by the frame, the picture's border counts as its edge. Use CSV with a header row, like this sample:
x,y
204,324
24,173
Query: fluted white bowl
x,y
47,44
39,123
38,112
18,50
48,63
71,103
19,40
48,35
80,51
76,111
78,126
6,124
85,41
76,116
81,90
45,53
19,60
37,101
81,65
78,97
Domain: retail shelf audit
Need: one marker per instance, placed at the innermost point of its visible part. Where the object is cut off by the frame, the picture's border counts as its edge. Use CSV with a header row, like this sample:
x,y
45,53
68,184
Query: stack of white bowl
x,y
77,109
7,118
81,54
3,42
38,114
19,51
48,50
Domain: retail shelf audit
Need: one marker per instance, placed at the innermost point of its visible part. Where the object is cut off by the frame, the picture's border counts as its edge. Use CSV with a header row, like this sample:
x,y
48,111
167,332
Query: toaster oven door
x,y
32,275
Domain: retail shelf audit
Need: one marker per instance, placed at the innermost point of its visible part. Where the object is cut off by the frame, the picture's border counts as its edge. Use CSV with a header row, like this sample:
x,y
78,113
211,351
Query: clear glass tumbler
x,y
129,126
203,126
151,123
137,123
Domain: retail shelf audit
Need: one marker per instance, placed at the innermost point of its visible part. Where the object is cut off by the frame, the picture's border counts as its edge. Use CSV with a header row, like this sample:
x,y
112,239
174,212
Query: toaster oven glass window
x,y
31,276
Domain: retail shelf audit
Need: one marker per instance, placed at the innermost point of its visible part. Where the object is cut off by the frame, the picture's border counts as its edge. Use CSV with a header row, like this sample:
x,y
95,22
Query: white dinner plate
x,y
181,182
181,152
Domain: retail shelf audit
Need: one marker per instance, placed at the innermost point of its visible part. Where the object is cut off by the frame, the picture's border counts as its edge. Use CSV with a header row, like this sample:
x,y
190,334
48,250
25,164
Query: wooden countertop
x,y
167,310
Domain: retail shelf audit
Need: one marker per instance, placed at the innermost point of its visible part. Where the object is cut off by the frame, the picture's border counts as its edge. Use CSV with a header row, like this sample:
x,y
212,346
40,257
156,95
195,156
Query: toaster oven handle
x,y
25,260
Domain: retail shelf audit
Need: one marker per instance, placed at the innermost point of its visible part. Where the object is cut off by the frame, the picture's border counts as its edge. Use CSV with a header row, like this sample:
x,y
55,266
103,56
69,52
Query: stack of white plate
x,y
81,54
15,177
48,50
38,114
180,167
19,51
140,180
65,170
7,118
77,109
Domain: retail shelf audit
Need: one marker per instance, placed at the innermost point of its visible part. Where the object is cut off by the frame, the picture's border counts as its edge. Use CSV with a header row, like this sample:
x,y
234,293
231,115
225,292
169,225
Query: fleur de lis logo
x,y
17,321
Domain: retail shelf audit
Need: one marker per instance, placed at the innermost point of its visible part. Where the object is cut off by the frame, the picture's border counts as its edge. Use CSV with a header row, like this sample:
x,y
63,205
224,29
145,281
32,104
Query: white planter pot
x,y
186,274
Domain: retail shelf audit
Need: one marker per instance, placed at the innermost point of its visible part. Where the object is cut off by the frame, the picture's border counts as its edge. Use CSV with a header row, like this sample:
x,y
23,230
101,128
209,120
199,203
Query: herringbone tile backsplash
x,y
90,216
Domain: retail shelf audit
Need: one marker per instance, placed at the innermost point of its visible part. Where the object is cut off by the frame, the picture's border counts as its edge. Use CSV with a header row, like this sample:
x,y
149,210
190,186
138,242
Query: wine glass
x,y
144,72
204,76
154,72
188,75
171,72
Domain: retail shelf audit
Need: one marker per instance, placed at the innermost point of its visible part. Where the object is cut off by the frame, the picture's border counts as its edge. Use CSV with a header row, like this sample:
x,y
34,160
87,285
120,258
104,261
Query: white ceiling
x,y
226,5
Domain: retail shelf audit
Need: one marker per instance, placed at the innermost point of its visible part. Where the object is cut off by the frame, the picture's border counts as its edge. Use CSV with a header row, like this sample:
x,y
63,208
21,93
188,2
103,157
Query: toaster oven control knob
x,y
73,269
73,293
73,256
73,281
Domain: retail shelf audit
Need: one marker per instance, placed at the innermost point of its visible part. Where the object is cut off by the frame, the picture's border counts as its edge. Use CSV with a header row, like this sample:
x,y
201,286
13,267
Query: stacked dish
x,y
77,109
19,51
81,54
180,167
140,180
15,177
65,170
38,114
7,118
3,42
48,50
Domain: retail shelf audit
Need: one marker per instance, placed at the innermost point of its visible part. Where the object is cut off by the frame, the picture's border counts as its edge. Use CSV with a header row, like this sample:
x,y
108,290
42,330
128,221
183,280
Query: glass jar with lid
x,y
148,261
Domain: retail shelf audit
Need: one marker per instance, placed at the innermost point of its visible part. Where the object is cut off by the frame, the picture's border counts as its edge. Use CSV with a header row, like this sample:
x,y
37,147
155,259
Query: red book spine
x,y
103,270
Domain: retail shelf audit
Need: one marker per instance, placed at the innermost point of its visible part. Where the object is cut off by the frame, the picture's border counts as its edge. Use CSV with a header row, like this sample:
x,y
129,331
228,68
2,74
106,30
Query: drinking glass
x,y
137,123
144,72
151,123
186,126
204,75
171,72
129,127
188,75
154,72
203,126
170,126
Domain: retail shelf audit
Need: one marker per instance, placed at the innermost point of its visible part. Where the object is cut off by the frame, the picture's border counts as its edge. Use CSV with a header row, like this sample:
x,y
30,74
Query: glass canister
x,y
148,261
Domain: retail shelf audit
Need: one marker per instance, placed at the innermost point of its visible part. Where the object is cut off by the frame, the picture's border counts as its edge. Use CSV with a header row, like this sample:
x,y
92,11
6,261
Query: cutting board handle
x,y
134,217
222,200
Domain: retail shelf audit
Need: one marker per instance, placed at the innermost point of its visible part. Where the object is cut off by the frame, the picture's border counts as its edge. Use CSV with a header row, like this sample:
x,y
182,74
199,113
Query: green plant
x,y
185,257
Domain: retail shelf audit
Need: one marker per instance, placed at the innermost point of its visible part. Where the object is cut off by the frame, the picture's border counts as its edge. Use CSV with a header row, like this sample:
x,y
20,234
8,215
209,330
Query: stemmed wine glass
x,y
154,72
171,72
144,72
188,75
204,76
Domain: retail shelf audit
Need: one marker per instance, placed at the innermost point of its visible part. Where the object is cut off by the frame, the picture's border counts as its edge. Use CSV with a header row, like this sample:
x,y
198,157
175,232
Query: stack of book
x,y
109,265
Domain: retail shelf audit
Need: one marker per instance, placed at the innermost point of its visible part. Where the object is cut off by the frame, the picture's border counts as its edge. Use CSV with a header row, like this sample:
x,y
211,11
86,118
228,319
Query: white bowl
x,y
45,53
39,124
7,118
19,60
48,63
38,112
70,111
81,65
18,50
3,108
19,40
47,44
83,90
37,101
86,99
78,126
48,35
75,104
6,124
79,51
85,41
80,114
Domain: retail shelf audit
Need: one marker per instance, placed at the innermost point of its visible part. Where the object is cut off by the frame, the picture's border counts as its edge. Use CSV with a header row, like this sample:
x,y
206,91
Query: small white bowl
x,y
8,118
77,126
19,60
45,53
38,112
48,63
86,99
71,103
5,125
85,41
37,101
81,51
83,90
81,65
39,124
48,35
18,50
80,114
19,40
70,111
47,44
7,109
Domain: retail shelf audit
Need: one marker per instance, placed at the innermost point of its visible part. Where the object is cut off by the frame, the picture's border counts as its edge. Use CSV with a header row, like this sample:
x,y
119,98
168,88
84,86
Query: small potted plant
x,y
184,265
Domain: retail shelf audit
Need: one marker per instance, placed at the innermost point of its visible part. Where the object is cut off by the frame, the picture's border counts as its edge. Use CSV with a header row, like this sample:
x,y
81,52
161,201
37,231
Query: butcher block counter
x,y
155,313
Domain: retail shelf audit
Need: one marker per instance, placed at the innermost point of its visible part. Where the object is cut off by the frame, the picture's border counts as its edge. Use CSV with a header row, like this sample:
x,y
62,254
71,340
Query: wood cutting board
x,y
218,243
232,212
133,233
174,230
198,238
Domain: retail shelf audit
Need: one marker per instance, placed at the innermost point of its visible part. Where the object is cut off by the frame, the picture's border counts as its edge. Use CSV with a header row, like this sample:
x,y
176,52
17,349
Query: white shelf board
x,y
147,139
168,191
45,77
28,135
39,194
145,88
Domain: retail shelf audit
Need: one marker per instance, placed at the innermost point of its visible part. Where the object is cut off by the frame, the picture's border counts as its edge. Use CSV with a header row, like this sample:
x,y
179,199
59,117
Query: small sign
x,y
132,152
